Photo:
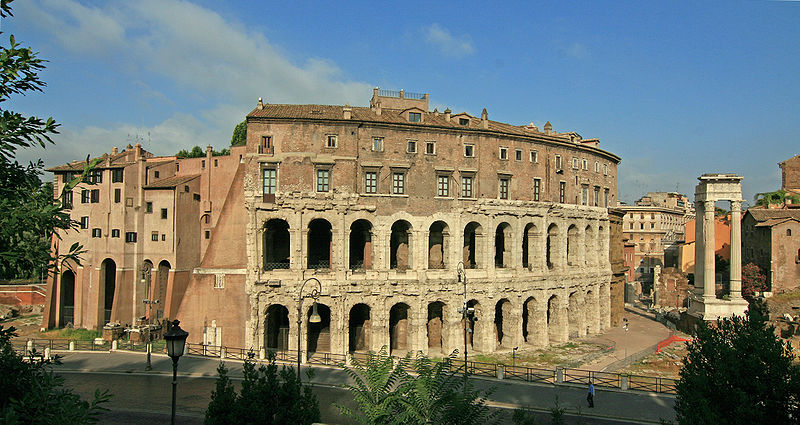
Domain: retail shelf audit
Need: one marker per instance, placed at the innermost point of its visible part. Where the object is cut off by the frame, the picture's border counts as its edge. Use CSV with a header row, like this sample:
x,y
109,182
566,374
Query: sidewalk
x,y
643,332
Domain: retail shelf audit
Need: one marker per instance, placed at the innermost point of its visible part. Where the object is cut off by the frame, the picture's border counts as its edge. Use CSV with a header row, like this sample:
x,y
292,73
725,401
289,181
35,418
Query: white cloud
x,y
440,37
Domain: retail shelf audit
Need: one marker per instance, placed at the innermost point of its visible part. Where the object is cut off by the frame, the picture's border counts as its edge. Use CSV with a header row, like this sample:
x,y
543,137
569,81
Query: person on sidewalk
x,y
590,396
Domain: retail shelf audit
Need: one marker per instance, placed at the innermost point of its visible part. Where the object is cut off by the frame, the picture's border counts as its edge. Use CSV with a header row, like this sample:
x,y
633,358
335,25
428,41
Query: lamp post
x,y
625,326
466,315
175,338
148,303
314,314
514,357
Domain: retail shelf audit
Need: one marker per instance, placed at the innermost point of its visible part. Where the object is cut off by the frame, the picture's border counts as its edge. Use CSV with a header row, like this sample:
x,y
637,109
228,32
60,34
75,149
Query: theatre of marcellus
x,y
392,215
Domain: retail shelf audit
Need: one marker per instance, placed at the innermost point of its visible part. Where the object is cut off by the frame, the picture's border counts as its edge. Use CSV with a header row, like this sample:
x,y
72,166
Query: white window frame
x,y
468,190
585,164
534,157
517,154
430,143
559,165
377,144
443,185
537,189
398,182
596,167
331,141
575,163
374,181
327,184
503,184
409,144
471,147
503,154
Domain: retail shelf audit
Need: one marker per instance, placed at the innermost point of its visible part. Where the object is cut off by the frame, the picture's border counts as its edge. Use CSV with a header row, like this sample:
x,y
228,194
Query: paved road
x,y
143,397
643,332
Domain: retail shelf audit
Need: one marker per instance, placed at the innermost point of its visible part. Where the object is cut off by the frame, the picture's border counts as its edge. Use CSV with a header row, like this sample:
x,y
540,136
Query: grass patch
x,y
72,333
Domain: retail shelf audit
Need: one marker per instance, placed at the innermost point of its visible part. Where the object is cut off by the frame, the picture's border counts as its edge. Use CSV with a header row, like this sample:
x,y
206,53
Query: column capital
x,y
736,206
708,206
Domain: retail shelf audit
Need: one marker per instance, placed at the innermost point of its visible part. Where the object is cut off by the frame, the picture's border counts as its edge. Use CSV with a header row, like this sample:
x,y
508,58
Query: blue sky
x,y
676,89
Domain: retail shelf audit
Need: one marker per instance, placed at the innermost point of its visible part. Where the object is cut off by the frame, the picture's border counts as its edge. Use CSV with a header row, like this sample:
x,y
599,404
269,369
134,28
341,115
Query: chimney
x,y
260,104
485,119
348,112
548,128
114,150
138,150
447,114
378,108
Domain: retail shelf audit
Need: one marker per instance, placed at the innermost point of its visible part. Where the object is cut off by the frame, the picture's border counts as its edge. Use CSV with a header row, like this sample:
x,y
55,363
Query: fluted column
x,y
709,270
736,249
699,251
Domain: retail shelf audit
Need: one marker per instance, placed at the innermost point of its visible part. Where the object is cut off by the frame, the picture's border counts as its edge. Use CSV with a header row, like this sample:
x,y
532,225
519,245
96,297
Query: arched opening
x,y
502,322
276,244
602,251
528,246
108,272
534,326
551,248
572,246
276,330
473,325
361,245
399,245
319,334
502,245
67,298
398,327
161,289
437,236
319,244
590,253
573,315
592,312
360,331
435,326
472,232
555,319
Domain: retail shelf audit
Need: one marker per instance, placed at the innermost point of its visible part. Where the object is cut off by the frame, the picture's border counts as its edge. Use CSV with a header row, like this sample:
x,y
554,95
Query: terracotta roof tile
x,y
763,215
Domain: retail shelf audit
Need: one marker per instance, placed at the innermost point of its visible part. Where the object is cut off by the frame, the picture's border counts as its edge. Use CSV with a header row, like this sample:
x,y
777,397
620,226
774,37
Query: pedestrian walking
x,y
590,396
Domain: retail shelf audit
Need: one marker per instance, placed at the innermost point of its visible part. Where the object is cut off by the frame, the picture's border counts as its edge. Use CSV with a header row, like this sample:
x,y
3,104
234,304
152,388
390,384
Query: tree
x,y
30,214
239,137
778,197
738,372
753,280
385,393
30,393
198,152
266,397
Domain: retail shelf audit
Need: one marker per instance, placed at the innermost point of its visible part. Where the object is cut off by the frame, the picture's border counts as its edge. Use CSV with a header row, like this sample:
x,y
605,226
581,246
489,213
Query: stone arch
x,y
438,238
319,334
590,254
67,292
600,245
320,244
592,312
161,287
555,320
399,327
502,245
551,247
573,245
503,323
475,329
435,326
534,323
108,286
531,256
473,235
575,314
276,328
361,245
400,245
276,244
360,331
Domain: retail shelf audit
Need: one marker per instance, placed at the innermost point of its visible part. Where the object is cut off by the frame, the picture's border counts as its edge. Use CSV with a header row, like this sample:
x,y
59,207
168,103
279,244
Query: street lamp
x,y
514,357
149,303
625,326
175,338
314,314
466,314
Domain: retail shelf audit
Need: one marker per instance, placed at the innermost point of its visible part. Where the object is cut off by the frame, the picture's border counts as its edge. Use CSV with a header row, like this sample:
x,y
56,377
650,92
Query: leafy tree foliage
x,y
198,152
753,280
239,137
385,393
764,199
266,397
30,393
29,211
738,372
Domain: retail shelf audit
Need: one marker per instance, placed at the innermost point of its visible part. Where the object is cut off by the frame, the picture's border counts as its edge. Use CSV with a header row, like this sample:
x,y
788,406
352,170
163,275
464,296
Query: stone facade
x,y
619,269
772,242
790,175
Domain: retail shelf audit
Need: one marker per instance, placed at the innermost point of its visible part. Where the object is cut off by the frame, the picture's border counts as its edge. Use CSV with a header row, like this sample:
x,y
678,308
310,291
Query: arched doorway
x,y
529,253
572,246
319,244
398,327
534,323
399,245
551,248
360,332
319,334
361,245
437,236
502,322
435,326
108,272
67,298
472,234
473,327
276,329
555,320
161,288
276,244
574,315
502,245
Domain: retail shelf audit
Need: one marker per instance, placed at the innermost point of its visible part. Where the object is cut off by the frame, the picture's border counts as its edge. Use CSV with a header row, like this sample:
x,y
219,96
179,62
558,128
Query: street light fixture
x,y
467,315
149,341
314,318
175,338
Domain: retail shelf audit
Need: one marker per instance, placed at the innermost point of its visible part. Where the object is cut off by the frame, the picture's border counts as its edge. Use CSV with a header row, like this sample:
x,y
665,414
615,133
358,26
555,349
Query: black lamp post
x,y
466,315
175,338
148,338
314,314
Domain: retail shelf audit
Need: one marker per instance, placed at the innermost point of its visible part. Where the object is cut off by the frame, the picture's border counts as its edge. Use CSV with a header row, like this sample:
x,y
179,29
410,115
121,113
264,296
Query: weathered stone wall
x,y
618,268
671,289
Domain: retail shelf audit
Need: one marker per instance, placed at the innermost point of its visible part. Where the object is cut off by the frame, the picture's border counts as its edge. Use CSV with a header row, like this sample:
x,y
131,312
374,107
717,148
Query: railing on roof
x,y
418,96
388,93
401,94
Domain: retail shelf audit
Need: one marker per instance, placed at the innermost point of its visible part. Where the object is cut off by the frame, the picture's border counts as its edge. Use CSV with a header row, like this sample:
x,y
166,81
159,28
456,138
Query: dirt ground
x,y
27,323
667,363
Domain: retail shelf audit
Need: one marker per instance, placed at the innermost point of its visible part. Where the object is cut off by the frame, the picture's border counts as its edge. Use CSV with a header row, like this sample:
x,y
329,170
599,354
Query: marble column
x,y
736,249
699,252
709,270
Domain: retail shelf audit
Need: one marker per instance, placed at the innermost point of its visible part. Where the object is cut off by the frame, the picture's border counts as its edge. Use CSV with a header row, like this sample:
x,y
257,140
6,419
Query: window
x,y
196,196
66,177
219,283
163,213
641,226
430,148
323,180
503,191
163,236
596,196
85,196
130,236
596,167
631,226
503,153
269,181
177,167
605,169
518,155
398,183
154,237
186,189
562,192
469,151
84,222
412,146
584,195
414,117
97,233
216,162
466,186
116,175
330,141
95,176
534,156
377,144
117,196
652,225
67,201
95,196
443,185
203,164
156,174
463,121
266,145
537,188
788,232
575,163
371,182
114,233
584,164
558,162
208,234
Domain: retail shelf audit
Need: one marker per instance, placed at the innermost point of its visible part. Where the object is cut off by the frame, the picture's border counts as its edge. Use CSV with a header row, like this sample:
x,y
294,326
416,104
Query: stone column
x,y
709,274
699,281
736,248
